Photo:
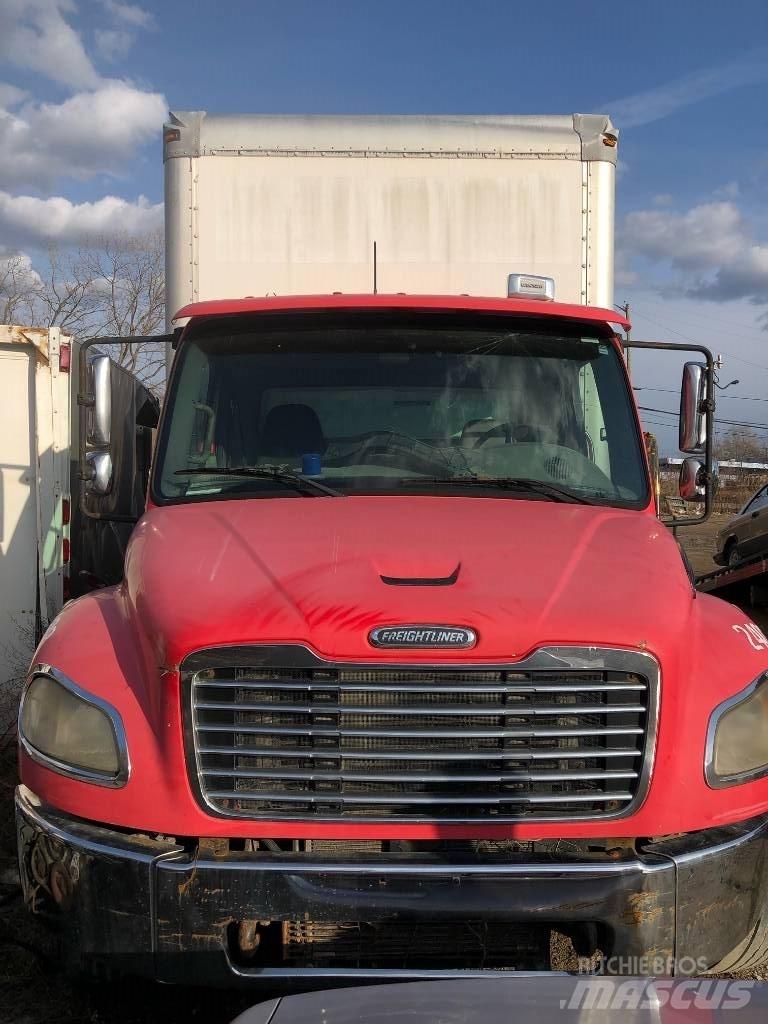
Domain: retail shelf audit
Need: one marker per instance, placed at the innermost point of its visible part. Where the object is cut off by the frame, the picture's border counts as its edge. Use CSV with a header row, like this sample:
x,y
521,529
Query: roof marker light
x,y
531,287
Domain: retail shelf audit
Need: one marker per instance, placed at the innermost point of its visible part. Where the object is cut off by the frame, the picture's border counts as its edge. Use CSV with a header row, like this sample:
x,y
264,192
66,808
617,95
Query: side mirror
x,y
692,482
98,473
100,414
693,421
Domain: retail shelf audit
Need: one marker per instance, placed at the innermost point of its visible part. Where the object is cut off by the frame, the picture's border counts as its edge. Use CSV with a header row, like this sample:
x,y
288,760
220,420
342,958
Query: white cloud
x,y
26,221
11,95
697,240
745,277
623,274
126,20
95,130
112,43
36,36
130,14
18,267
710,248
98,128
667,99
729,191
19,282
90,133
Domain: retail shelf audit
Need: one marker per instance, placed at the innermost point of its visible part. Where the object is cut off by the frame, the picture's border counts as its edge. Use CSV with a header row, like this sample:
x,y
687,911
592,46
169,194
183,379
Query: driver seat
x,y
292,430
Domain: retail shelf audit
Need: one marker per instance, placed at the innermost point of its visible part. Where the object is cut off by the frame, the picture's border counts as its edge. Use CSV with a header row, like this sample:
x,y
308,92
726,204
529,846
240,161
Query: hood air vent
x,y
422,581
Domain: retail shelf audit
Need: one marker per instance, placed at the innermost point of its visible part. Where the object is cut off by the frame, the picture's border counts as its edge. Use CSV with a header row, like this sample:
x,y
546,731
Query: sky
x,y
86,84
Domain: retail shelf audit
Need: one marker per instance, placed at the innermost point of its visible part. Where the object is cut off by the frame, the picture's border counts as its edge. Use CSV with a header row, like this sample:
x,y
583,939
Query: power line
x,y
670,329
718,320
732,423
694,341
719,432
720,398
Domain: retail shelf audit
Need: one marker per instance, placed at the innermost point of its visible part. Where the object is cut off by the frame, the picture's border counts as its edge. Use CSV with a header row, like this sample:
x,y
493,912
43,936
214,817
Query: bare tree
x,y
110,286
65,295
740,444
19,287
126,286
129,282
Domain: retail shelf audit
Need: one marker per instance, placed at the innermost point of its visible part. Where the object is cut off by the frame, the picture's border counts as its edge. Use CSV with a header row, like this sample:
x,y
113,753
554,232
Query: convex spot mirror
x,y
98,478
692,480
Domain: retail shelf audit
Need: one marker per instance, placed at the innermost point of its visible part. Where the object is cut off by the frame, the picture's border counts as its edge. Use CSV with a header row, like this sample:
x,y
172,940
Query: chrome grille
x,y
540,740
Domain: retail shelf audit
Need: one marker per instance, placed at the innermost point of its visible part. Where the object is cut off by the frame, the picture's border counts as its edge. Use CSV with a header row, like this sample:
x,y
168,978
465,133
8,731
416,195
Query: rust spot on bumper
x,y
642,909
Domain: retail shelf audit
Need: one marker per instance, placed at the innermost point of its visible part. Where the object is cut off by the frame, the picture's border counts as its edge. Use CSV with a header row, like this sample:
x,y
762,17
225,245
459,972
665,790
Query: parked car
x,y
531,999
746,534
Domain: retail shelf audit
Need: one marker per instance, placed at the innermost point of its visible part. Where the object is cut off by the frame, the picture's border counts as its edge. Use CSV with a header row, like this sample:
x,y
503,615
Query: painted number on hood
x,y
754,636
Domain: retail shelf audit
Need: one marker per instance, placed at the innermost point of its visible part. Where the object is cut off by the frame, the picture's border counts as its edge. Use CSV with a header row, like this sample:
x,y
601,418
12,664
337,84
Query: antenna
x,y
375,288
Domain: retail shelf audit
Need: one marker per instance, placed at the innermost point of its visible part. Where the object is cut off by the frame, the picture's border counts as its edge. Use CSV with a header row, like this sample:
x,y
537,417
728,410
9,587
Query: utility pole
x,y
627,352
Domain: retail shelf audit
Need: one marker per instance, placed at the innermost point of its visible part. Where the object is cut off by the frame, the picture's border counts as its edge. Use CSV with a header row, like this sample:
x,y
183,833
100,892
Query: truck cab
x,y
405,676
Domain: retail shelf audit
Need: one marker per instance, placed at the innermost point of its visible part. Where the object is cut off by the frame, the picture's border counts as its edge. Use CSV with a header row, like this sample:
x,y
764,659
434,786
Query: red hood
x,y
309,570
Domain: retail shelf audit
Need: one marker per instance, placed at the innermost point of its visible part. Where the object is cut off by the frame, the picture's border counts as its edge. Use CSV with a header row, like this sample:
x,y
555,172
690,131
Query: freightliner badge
x,y
443,637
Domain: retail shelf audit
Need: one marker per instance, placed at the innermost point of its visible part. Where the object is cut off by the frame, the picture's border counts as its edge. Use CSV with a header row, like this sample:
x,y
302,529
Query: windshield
x,y
398,403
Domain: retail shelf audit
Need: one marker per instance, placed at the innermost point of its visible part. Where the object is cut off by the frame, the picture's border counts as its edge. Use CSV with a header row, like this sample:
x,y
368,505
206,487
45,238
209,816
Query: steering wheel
x,y
391,442
517,433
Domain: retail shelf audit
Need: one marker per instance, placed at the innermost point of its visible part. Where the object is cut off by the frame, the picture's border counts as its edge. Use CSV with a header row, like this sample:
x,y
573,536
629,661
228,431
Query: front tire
x,y
732,555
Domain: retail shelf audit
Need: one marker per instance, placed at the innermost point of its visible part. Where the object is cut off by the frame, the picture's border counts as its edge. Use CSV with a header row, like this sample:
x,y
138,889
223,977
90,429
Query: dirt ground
x,y
699,542
34,991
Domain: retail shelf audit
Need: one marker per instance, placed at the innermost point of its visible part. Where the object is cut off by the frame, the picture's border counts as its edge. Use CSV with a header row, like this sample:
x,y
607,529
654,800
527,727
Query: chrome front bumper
x,y
156,908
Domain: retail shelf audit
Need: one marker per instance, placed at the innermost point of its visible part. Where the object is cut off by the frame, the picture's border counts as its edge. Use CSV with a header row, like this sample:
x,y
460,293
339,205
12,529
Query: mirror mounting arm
x,y
707,408
86,401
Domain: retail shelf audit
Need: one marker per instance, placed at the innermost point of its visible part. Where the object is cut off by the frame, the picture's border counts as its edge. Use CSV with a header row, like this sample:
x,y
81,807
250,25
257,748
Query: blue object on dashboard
x,y
311,464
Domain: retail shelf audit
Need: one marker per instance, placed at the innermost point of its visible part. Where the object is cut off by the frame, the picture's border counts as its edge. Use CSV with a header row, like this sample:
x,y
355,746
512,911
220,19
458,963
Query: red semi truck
x,y
405,674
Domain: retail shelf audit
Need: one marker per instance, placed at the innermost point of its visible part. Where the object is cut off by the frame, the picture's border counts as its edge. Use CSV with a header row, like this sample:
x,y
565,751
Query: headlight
x,y
737,738
71,731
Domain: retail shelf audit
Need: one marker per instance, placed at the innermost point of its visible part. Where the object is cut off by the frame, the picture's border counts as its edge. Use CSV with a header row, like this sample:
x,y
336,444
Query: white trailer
x,y
49,548
256,205
34,494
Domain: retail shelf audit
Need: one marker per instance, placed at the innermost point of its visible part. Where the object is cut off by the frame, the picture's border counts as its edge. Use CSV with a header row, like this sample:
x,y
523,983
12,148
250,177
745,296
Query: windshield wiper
x,y
505,483
280,474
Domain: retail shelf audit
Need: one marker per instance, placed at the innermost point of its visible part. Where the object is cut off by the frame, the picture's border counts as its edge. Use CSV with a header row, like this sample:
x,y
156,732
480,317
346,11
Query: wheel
x,y
732,554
